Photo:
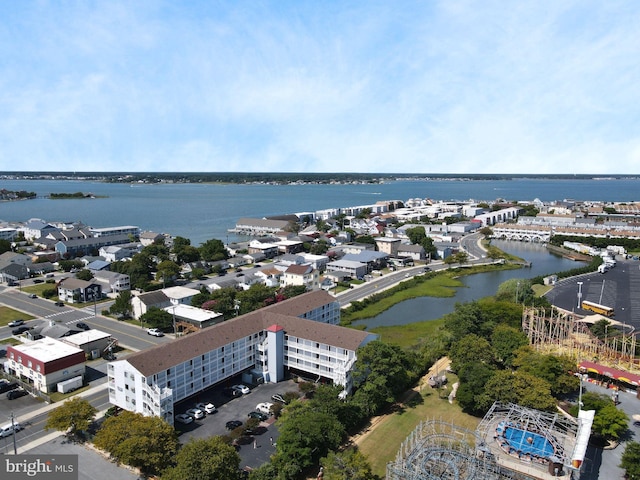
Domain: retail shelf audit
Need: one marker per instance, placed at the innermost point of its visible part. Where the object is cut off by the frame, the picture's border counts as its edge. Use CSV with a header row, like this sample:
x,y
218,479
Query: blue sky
x,y
425,86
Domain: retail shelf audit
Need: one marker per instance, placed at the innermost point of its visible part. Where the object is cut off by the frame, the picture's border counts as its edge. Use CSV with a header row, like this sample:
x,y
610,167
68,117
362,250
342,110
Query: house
x,y
296,336
269,250
374,260
44,363
388,245
36,228
194,316
352,268
84,246
74,290
415,252
114,253
93,343
13,272
141,304
297,275
270,276
112,281
319,262
149,238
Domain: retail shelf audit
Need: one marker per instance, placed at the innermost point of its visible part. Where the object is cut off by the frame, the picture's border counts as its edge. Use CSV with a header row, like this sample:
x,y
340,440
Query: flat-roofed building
x,y
44,363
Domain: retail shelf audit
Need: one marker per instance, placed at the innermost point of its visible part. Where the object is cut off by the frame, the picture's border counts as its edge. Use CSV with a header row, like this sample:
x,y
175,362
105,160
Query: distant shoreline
x,y
287,178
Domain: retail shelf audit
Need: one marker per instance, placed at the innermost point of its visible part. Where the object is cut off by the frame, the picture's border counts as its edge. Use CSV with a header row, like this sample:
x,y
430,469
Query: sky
x,y
451,86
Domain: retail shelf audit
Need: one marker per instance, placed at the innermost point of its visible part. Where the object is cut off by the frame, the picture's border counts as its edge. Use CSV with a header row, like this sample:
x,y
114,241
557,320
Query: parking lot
x,y
236,409
616,288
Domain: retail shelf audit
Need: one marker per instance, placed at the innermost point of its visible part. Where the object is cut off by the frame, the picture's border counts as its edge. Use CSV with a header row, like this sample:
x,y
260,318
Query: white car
x,y
264,407
156,332
184,418
242,388
196,413
8,430
207,407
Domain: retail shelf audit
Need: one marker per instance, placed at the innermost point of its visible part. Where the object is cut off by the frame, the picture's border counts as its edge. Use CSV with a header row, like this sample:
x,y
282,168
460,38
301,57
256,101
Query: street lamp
x,y
517,290
580,294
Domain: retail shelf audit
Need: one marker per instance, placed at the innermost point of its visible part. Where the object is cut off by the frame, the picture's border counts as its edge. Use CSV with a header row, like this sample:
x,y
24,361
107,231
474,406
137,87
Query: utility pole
x,y
13,433
580,294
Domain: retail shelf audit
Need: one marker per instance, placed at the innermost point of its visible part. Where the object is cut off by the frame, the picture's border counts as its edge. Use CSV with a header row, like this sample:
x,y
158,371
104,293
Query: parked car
x,y
232,392
233,424
59,304
184,418
113,411
156,332
17,393
7,430
33,295
196,413
242,389
20,330
207,407
7,386
264,407
38,280
83,326
278,398
259,415
15,323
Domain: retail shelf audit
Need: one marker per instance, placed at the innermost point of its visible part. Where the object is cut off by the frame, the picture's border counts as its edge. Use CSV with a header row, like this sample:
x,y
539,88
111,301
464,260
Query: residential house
x,y
112,282
36,228
415,252
74,290
352,268
140,304
149,238
297,275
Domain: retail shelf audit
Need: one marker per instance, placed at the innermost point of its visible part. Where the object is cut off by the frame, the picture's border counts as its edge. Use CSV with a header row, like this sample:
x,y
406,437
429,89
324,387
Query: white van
x,y
7,430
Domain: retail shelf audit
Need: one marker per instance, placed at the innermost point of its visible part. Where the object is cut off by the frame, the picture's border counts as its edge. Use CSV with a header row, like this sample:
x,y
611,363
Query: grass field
x,y
410,335
385,436
8,314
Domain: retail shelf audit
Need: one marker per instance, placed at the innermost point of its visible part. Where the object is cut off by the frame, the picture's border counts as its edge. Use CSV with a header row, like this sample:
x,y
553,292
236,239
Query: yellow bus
x,y
597,308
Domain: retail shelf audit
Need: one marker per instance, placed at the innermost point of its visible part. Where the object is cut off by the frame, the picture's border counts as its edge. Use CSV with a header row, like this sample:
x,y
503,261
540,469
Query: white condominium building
x,y
298,335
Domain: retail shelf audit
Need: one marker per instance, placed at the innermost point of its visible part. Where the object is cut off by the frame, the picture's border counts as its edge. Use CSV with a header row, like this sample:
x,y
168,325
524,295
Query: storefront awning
x,y
630,378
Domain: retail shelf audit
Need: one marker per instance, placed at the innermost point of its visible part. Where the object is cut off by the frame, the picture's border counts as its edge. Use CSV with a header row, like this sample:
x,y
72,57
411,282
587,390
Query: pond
x,y
475,286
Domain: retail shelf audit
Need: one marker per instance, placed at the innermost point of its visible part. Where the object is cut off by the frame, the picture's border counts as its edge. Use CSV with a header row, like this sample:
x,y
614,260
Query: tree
x,y
381,372
470,349
157,318
205,459
609,422
306,436
122,305
349,464
213,250
505,340
188,254
5,245
68,265
139,270
517,387
73,416
631,461
473,378
148,443
167,270
555,369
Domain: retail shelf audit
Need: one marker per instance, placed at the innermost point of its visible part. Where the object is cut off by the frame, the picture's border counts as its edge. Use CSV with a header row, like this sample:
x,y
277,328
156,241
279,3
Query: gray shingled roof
x,y
165,356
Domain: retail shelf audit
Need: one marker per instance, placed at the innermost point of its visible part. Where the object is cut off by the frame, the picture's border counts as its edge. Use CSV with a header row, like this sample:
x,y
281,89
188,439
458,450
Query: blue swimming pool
x,y
523,442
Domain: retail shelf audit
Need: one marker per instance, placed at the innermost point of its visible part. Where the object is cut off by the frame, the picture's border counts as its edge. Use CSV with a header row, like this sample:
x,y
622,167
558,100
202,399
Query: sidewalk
x,y
47,408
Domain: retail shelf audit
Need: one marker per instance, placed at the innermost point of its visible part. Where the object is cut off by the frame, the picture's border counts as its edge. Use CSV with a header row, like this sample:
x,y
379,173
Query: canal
x,y
475,286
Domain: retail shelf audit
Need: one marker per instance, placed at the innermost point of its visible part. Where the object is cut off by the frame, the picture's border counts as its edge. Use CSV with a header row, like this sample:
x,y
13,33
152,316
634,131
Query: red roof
x,y
621,375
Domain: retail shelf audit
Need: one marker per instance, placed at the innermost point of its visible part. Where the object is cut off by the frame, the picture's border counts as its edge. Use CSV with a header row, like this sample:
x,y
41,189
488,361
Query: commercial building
x,y
298,335
44,363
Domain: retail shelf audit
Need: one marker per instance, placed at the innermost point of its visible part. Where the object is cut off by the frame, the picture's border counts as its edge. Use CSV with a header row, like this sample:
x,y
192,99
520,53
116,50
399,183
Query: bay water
x,y
204,211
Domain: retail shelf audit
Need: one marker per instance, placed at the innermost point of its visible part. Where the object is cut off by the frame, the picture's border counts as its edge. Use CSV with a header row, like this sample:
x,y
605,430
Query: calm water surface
x,y
475,286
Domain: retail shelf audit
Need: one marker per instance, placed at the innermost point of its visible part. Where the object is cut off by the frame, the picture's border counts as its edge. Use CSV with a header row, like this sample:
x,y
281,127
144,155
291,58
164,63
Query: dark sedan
x,y
20,330
83,326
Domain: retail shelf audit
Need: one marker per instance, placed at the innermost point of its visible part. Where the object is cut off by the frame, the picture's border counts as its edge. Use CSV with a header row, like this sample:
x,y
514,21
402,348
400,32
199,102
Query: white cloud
x,y
430,87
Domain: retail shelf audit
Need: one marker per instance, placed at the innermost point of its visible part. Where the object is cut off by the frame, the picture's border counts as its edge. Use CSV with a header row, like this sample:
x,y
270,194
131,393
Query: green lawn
x,y
381,445
8,314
